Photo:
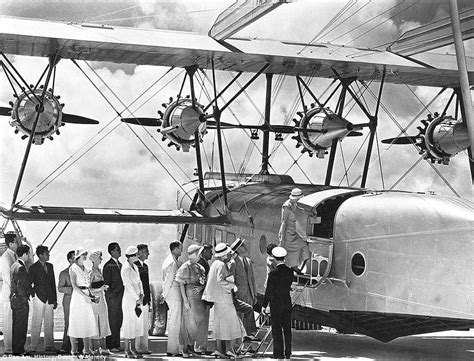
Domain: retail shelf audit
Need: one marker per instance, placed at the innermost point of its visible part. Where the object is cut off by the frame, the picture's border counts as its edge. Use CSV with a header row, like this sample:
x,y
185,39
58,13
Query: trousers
x,y
281,321
7,324
42,311
20,327
114,305
175,339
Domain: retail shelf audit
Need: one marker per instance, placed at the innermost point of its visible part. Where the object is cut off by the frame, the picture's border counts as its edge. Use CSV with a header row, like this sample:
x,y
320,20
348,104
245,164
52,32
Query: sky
x,y
120,172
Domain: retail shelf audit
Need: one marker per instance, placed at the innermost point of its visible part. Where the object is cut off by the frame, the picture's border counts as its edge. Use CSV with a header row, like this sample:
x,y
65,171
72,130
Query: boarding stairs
x,y
264,339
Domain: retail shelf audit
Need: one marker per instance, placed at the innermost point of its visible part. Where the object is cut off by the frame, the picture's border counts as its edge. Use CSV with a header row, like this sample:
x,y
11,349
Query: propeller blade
x,y
5,111
401,140
77,119
354,134
146,122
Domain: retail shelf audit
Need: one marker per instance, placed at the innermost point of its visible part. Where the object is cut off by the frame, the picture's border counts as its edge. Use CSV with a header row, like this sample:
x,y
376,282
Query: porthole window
x,y
358,264
263,244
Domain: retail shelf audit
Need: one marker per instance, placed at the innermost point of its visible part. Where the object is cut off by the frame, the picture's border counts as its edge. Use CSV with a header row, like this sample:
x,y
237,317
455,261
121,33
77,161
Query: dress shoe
x,y
116,349
130,354
104,352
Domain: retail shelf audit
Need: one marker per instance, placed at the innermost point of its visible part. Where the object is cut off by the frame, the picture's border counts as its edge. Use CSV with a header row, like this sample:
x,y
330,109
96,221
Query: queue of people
x,y
114,302
91,292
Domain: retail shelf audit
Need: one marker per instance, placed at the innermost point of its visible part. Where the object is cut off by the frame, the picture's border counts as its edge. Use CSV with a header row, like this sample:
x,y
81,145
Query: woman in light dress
x,y
132,325
191,277
81,318
227,328
99,306
296,247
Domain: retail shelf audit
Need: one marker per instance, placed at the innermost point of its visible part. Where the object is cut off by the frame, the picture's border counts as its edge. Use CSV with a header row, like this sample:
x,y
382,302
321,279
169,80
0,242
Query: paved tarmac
x,y
323,345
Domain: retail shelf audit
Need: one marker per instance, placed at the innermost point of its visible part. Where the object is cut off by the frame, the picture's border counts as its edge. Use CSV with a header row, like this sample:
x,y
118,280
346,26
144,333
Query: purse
x,y
138,311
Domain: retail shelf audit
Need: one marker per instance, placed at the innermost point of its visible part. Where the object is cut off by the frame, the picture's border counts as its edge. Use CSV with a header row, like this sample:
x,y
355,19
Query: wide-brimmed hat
x,y
131,250
296,193
221,250
79,252
94,255
279,252
193,249
236,244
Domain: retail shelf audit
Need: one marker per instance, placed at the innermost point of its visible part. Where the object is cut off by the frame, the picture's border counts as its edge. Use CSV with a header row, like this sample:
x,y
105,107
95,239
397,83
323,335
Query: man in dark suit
x,y
113,296
141,342
21,291
44,300
277,302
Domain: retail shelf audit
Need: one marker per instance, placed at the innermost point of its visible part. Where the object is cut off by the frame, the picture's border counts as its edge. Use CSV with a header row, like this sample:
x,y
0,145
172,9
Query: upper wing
x,y
181,49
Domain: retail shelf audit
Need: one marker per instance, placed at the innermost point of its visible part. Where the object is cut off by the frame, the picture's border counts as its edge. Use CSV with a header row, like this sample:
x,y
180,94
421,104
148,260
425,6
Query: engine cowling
x,y
324,126
24,112
180,121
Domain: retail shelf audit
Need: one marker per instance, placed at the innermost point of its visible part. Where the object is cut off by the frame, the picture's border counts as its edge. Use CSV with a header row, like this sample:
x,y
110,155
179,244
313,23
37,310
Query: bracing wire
x,y
90,140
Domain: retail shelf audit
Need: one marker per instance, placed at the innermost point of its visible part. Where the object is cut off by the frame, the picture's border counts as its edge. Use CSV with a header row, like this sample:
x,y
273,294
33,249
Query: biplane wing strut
x,y
108,215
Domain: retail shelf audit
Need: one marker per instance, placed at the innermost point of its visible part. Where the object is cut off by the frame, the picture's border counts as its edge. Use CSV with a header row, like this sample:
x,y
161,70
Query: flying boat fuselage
x,y
397,263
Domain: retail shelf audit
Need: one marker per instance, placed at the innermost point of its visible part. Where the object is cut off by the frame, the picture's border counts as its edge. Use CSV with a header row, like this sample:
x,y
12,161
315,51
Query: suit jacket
x,y
245,280
113,279
21,289
278,287
145,278
65,285
44,284
8,258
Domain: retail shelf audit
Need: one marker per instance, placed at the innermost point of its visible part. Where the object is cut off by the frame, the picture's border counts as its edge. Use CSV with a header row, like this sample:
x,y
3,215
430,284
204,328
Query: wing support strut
x,y
53,60
463,76
190,71
373,120
266,131
217,117
332,154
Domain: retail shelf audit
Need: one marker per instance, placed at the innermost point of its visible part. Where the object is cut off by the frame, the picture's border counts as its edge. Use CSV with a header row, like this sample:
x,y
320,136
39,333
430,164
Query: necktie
x,y
45,268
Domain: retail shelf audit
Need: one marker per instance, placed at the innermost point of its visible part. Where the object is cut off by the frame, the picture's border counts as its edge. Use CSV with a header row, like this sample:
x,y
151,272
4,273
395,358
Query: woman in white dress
x,y
227,327
132,325
99,306
81,317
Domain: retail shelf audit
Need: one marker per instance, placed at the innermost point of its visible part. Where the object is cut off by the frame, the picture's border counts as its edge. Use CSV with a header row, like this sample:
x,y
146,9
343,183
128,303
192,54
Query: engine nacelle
x,y
445,137
181,121
325,126
24,112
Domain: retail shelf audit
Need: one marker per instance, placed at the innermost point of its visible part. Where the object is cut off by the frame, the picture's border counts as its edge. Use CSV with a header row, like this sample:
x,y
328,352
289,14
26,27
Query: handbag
x,y
138,310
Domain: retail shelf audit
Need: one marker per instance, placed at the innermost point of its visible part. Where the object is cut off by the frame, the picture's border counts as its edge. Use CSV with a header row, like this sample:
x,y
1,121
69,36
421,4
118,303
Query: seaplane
x,y
384,262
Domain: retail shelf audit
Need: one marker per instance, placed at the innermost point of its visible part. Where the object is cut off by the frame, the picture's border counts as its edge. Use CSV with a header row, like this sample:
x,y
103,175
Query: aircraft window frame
x,y
358,264
219,232
263,245
230,241
198,233
208,236
191,231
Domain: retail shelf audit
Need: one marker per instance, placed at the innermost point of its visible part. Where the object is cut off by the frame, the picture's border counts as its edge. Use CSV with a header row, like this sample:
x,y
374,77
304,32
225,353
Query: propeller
x,y
5,111
401,140
146,122
77,119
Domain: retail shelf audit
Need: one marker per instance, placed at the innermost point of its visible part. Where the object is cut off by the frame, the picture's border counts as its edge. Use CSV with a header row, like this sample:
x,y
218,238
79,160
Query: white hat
x,y
193,248
279,252
296,193
79,252
236,244
221,250
131,250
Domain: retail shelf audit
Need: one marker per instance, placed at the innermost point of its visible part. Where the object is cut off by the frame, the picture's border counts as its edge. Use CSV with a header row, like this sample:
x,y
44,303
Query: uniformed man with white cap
x,y
277,302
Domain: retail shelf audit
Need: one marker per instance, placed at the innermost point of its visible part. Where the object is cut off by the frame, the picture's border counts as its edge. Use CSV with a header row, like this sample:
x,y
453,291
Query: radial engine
x,y
181,122
24,112
320,126
438,139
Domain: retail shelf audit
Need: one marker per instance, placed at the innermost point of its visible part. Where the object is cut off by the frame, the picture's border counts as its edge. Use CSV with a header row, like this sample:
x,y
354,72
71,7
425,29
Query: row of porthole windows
x,y
197,231
214,236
